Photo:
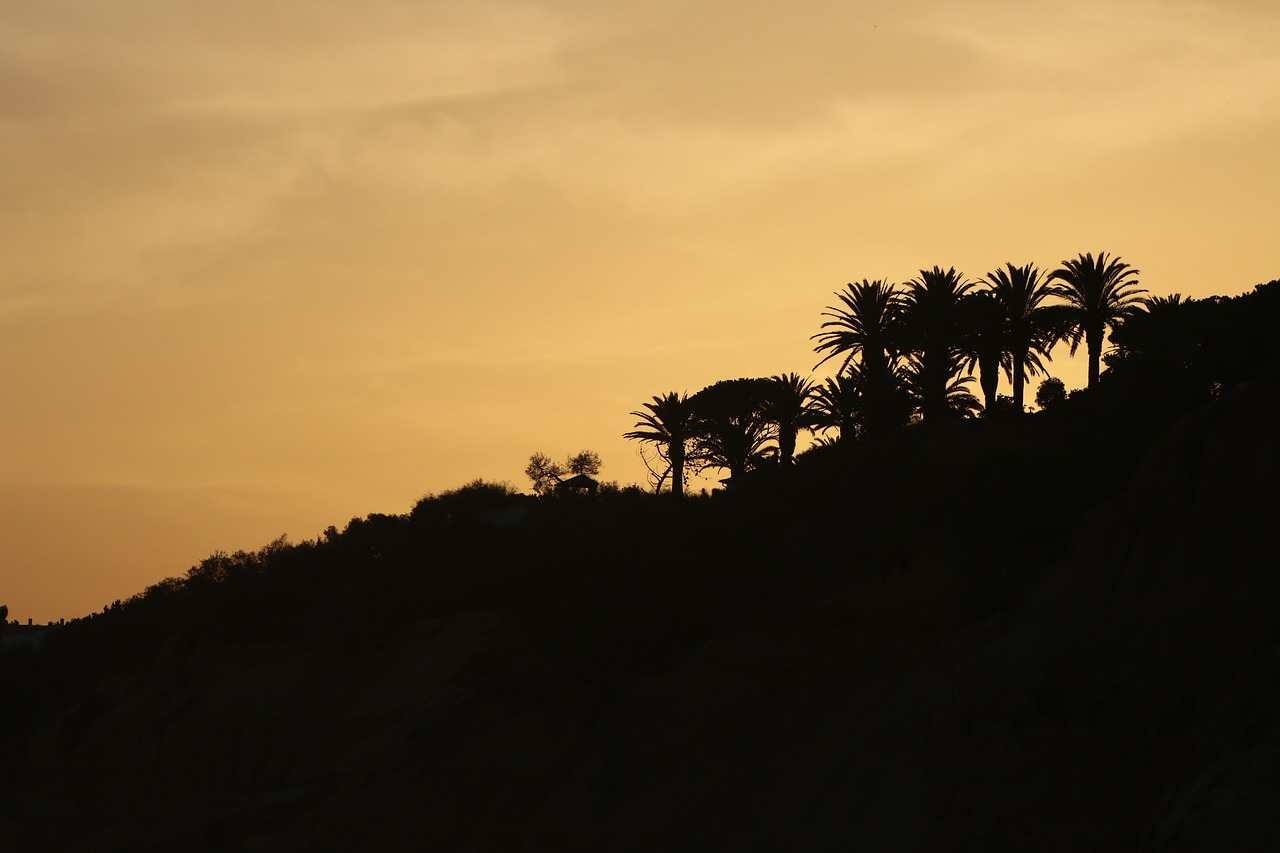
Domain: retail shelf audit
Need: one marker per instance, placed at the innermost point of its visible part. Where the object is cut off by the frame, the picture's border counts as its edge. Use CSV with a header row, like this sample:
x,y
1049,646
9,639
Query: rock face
x,y
1127,700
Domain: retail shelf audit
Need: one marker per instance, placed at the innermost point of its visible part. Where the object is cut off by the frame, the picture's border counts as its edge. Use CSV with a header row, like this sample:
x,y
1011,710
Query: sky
x,y
266,266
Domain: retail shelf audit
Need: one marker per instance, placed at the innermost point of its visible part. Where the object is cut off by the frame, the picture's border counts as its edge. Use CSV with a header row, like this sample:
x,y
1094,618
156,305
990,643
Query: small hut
x,y
578,484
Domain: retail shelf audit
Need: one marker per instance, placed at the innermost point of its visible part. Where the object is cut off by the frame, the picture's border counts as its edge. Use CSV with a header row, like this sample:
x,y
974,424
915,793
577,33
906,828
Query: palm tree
x,y
863,327
668,423
864,401
983,342
887,403
838,404
1164,303
787,406
930,327
1098,295
920,377
1031,328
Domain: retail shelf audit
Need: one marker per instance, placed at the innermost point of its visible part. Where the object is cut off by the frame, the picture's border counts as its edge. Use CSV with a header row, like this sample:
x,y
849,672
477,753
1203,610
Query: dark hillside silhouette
x,y
1182,353
1049,631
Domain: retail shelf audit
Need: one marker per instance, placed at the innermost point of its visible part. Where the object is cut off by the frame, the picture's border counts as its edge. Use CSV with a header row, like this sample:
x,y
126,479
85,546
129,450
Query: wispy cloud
x,y
138,131
274,58
1015,87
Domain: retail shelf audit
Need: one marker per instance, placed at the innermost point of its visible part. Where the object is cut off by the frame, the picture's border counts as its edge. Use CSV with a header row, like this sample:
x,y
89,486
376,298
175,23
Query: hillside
x,y
1046,634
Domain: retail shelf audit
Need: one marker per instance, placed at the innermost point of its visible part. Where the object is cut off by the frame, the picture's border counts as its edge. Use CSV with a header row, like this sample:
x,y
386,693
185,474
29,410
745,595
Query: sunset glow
x,y
267,266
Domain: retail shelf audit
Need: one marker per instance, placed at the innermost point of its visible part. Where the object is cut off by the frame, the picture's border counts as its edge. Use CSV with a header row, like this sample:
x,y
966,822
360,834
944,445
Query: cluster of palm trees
x,y
736,425
906,352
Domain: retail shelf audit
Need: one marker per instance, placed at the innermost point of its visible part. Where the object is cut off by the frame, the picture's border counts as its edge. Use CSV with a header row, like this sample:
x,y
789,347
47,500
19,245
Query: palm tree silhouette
x,y
788,408
1099,294
931,329
668,423
983,342
863,328
1031,326
920,378
866,331
863,402
838,404
1160,303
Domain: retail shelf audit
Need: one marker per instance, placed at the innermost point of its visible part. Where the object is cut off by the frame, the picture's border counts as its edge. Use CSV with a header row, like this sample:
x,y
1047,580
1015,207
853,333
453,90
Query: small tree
x,y
730,426
1002,407
546,473
1050,393
587,462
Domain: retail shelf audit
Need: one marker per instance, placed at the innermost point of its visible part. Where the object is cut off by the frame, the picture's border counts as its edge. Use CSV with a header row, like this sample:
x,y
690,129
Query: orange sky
x,y
265,266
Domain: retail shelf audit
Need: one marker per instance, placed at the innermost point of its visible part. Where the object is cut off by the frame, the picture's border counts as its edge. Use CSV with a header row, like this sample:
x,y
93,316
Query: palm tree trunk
x,y
786,446
1019,378
989,379
1093,339
677,468
935,408
849,430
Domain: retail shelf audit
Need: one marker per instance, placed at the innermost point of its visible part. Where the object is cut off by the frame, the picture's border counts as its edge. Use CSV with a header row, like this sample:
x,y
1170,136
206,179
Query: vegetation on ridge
x,y
909,354
890,553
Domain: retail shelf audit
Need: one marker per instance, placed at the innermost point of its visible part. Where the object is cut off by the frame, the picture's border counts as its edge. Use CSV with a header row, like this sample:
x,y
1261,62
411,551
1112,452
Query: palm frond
x,y
863,325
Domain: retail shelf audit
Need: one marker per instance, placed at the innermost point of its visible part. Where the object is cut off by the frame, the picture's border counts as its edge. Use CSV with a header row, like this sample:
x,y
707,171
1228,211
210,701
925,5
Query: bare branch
x,y
656,478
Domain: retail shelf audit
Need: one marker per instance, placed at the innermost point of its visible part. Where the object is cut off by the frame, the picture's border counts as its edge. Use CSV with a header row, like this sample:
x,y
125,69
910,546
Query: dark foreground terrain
x,y
1040,636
